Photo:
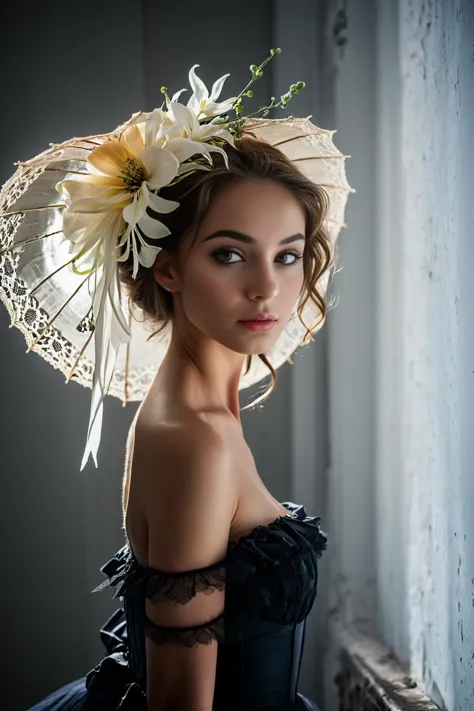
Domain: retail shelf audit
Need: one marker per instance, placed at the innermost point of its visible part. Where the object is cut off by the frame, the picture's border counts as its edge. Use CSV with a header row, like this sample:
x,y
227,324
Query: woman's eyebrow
x,y
250,240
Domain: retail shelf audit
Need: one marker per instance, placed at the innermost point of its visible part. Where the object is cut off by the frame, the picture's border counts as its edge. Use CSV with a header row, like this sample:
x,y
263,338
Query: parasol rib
x,y
81,353
27,241
32,209
50,323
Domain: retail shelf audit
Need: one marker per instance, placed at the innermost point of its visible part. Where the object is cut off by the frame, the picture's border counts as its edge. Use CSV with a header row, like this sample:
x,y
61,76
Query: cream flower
x,y
106,209
123,172
200,103
203,105
179,130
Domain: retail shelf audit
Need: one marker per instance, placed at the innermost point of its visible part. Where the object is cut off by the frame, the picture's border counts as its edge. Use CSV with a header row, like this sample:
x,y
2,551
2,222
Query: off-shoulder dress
x,y
270,579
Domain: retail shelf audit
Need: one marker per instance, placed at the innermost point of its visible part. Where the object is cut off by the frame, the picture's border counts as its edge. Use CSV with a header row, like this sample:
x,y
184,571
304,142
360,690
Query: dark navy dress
x,y
270,579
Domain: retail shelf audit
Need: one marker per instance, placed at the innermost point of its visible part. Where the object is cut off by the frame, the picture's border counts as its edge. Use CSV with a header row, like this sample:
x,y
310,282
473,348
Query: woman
x,y
217,576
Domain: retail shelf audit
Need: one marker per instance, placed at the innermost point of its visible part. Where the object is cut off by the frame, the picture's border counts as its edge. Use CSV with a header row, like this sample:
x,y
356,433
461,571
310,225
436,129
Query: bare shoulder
x,y
162,446
187,491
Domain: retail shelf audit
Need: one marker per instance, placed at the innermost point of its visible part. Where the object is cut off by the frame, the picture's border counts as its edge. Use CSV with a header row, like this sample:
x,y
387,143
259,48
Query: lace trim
x,y
187,636
179,587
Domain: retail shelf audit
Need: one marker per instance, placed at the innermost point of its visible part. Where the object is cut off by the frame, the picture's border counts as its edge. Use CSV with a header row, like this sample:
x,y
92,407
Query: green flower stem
x,y
254,76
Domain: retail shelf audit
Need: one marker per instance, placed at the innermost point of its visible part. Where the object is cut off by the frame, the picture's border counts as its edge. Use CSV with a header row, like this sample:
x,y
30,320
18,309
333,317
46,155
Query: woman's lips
x,y
259,325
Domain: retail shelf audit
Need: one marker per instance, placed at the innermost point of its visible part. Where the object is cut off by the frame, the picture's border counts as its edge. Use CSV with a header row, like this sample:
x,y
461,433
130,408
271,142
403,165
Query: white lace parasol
x,y
46,300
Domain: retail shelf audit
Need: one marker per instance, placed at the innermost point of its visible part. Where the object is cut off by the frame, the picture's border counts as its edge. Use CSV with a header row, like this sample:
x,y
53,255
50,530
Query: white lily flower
x,y
203,105
179,130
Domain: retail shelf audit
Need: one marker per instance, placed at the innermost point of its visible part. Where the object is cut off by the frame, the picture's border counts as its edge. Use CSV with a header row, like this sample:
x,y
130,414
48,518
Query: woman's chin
x,y
259,343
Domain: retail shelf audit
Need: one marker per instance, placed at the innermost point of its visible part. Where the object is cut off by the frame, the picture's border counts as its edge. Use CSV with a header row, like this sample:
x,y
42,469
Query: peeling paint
x,y
437,400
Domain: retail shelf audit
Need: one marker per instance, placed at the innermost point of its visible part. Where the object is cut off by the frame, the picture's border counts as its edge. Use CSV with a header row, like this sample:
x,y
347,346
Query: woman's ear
x,y
165,272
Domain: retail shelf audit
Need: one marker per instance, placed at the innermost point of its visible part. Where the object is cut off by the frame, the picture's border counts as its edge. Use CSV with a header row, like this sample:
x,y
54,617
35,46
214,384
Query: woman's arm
x,y
189,508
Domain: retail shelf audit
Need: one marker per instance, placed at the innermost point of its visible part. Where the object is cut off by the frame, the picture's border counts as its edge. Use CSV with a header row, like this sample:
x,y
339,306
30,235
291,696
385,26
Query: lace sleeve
x,y
181,587
187,636
127,577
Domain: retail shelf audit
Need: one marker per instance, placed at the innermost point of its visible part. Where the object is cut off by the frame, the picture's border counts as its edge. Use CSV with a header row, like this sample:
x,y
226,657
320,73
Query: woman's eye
x,y
219,256
295,255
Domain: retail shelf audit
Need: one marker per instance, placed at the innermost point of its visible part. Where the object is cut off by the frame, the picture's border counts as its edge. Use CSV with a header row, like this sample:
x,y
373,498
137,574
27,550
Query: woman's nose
x,y
263,284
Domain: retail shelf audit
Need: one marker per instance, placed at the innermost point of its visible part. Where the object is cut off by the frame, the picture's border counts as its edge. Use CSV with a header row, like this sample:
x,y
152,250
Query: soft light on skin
x,y
219,280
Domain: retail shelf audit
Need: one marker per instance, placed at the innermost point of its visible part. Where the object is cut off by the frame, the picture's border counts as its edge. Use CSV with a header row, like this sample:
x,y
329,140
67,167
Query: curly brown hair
x,y
250,158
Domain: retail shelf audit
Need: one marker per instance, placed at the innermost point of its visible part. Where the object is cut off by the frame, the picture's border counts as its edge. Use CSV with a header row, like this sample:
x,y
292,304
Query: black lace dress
x,y
270,579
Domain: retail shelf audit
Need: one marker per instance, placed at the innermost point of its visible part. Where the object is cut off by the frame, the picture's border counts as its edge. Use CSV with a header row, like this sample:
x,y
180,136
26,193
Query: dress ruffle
x,y
112,679
126,576
269,574
273,571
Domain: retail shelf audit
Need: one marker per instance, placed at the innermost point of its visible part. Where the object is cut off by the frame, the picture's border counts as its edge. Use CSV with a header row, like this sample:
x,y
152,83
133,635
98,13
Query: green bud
x,y
272,52
250,93
293,88
283,104
278,50
258,72
253,68
265,113
164,90
301,85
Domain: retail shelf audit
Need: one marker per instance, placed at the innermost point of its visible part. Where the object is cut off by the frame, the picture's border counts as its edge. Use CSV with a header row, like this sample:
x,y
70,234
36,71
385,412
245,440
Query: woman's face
x,y
225,279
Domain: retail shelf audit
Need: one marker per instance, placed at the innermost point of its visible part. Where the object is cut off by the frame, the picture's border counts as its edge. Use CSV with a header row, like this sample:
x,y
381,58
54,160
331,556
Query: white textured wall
x,y
401,485
437,301
425,456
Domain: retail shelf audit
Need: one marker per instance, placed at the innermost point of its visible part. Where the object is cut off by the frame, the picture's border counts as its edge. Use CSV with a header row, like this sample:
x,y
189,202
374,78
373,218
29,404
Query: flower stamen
x,y
133,174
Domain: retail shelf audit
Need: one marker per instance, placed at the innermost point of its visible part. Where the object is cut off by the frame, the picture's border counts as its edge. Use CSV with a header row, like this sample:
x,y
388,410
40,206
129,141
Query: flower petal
x,y
215,109
161,166
210,131
170,131
182,116
153,126
159,204
217,87
134,211
98,204
110,157
74,223
124,238
153,229
139,117
93,181
100,235
200,91
216,149
147,255
191,166
176,96
184,148
78,191
132,137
